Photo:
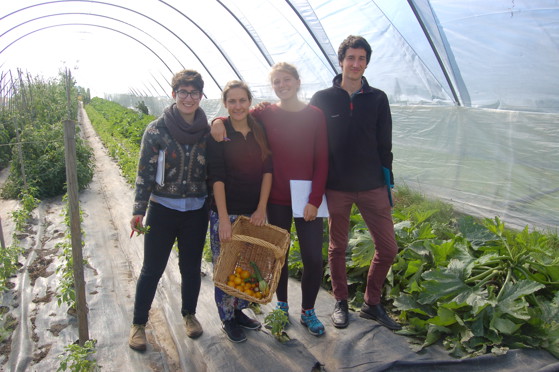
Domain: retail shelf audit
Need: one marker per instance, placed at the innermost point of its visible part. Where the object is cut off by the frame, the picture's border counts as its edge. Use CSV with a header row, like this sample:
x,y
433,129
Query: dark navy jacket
x,y
359,136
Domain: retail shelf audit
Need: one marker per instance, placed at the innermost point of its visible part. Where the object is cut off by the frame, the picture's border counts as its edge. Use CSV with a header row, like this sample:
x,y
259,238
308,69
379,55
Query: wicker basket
x,y
264,245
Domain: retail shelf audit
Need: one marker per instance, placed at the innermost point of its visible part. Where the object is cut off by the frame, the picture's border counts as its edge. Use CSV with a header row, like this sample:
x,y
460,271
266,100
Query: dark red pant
x,y
376,211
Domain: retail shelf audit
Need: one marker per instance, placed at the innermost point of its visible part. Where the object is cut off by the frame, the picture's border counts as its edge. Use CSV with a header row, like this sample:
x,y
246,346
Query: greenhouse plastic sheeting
x,y
499,54
486,162
473,84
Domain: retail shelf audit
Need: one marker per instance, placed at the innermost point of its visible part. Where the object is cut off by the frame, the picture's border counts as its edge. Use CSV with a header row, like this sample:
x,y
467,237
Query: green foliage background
x,y
121,131
38,110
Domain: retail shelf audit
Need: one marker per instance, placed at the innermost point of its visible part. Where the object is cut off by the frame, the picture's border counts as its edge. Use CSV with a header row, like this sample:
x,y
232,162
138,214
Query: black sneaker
x,y
244,321
340,316
233,331
377,312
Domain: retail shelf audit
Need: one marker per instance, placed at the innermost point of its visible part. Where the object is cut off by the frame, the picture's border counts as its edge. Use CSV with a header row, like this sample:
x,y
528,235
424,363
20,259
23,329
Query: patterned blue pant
x,y
226,304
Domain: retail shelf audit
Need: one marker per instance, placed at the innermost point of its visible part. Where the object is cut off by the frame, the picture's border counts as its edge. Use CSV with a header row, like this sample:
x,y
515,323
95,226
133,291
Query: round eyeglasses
x,y
194,94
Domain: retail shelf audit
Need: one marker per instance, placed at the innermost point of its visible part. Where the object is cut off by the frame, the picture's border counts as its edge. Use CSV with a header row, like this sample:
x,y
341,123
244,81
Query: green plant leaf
x,y
443,283
442,251
504,325
512,301
362,248
477,234
407,302
445,317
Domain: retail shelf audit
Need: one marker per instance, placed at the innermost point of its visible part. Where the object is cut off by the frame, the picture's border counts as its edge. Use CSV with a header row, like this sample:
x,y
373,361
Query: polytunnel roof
x,y
497,54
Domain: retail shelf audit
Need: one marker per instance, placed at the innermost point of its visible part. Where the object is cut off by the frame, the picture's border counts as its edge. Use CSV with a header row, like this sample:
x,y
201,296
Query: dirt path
x,y
42,328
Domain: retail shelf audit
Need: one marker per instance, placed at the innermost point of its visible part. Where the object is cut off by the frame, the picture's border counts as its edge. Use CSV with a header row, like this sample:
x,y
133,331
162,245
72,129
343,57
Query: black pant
x,y
167,225
309,234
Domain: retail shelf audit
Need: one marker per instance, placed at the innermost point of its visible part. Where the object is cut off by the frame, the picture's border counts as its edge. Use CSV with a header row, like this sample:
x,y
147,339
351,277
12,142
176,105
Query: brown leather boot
x,y
137,339
193,326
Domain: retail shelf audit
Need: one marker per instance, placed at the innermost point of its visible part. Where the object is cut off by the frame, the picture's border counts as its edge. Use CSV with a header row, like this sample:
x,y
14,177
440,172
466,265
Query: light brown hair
x,y
255,127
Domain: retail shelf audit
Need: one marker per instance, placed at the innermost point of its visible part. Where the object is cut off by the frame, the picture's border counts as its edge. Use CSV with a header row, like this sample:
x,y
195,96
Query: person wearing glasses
x,y
171,188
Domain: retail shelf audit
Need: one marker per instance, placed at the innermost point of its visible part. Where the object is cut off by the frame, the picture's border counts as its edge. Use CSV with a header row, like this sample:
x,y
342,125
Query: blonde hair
x,y
284,67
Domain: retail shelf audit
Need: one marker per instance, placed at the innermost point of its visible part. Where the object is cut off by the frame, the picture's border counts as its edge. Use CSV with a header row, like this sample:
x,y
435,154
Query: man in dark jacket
x,y
360,170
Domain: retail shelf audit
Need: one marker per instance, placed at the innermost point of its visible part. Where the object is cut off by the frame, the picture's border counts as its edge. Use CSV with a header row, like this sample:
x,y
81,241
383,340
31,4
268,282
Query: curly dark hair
x,y
355,42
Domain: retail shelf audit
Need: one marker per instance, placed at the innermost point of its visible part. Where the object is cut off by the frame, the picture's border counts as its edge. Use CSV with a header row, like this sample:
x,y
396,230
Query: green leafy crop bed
x,y
121,131
474,285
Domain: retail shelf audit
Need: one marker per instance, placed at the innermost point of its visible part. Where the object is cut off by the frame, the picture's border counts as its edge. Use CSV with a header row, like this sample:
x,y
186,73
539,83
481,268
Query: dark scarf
x,y
182,132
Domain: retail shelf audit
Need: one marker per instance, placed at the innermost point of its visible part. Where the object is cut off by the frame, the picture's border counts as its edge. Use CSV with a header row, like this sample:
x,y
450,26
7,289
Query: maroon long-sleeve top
x,y
299,145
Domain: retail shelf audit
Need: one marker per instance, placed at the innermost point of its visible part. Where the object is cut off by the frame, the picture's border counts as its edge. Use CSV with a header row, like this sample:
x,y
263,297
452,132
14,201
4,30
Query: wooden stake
x,y
75,228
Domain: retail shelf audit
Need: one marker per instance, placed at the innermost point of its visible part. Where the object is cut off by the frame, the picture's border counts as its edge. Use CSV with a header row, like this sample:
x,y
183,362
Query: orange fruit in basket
x,y
237,280
231,277
238,270
258,295
231,283
249,292
245,274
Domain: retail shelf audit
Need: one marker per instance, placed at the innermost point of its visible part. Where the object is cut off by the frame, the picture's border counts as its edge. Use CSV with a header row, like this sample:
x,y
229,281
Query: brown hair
x,y
285,67
255,127
355,42
187,77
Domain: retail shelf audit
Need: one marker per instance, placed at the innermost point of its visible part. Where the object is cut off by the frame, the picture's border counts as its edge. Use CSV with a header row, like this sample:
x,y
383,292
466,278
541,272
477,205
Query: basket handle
x,y
278,253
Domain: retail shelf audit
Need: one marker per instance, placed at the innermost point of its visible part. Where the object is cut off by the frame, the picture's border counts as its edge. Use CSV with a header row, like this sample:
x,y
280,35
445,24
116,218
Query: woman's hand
x,y
310,212
218,131
262,105
258,218
224,229
136,222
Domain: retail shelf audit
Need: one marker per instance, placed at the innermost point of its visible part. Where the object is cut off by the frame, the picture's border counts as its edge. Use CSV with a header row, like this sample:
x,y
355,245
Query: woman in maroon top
x,y
240,174
297,137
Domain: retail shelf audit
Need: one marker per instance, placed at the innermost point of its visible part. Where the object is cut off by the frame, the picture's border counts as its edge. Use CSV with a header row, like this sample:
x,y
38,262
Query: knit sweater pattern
x,y
185,167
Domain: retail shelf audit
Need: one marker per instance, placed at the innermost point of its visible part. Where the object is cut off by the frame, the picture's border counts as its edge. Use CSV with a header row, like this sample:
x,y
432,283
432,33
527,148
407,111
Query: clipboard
x,y
300,191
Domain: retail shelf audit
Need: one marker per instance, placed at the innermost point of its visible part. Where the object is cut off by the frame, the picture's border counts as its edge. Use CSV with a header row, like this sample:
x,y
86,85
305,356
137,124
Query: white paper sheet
x,y
160,175
300,191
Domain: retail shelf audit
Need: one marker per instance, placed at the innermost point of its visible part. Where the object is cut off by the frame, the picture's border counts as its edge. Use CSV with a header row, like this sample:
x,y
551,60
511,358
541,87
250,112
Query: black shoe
x,y
340,316
246,322
233,331
377,312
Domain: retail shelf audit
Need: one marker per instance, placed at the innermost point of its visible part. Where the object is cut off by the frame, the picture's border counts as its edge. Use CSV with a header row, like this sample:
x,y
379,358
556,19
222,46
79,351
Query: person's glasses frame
x,y
194,94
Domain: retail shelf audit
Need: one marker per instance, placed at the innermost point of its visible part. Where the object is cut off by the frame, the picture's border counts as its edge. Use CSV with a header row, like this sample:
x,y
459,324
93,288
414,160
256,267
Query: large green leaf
x,y
445,317
409,303
443,283
504,325
362,248
434,333
442,251
512,301
477,234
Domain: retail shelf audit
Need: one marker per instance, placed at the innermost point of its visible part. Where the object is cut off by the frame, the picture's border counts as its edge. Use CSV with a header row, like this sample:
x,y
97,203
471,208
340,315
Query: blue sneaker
x,y
309,320
283,306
